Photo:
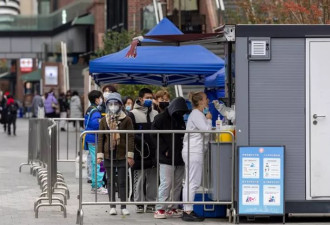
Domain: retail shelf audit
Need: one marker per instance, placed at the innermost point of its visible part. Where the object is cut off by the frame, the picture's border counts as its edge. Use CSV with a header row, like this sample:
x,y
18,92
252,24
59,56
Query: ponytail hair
x,y
195,98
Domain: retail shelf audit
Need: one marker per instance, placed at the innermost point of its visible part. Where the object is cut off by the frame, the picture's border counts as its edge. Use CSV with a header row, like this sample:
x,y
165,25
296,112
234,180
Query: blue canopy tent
x,y
158,65
217,80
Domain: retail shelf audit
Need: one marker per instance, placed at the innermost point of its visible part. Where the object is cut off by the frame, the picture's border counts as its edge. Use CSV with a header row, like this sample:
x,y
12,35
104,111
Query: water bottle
x,y
218,123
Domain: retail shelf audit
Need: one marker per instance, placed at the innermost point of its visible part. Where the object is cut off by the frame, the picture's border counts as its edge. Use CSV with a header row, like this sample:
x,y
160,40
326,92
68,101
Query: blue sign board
x,y
261,180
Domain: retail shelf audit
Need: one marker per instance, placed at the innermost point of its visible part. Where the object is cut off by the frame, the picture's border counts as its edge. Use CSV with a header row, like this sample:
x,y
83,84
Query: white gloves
x,y
227,112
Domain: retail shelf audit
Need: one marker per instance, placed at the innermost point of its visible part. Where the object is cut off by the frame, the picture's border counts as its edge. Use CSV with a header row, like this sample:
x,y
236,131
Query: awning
x,y
33,76
84,20
6,75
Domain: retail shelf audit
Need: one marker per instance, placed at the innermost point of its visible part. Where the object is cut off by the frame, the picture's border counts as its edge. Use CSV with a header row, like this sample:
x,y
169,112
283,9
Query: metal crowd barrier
x,y
33,144
213,134
42,158
69,152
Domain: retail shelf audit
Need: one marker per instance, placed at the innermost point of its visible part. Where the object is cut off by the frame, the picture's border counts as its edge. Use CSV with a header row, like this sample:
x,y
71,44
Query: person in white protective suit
x,y
227,112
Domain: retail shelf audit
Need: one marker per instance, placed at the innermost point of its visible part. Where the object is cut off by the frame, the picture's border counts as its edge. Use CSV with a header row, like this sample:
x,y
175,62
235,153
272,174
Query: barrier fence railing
x,y
68,138
42,158
156,134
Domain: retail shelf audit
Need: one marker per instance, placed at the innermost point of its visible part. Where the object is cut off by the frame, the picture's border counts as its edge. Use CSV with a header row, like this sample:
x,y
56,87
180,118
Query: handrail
x,y
45,22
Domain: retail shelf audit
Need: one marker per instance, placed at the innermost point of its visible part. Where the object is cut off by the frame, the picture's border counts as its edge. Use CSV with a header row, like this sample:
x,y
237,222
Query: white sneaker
x,y
100,191
125,212
113,211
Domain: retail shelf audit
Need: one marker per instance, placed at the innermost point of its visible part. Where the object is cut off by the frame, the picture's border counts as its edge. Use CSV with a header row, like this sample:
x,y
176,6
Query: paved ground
x,y
18,191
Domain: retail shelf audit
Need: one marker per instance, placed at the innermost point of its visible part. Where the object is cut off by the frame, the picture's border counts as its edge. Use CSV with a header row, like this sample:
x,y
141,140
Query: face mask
x,y
114,109
163,105
128,108
106,95
100,101
147,103
206,110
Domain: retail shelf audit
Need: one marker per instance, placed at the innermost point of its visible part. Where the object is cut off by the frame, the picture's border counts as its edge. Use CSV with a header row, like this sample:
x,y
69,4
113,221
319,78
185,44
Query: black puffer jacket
x,y
171,119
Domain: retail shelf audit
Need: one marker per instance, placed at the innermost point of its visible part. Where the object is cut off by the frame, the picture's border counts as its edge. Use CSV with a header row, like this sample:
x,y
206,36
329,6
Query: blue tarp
x,y
158,65
217,80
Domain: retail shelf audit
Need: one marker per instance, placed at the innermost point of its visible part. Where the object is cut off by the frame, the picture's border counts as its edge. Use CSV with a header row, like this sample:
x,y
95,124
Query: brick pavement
x,y
18,191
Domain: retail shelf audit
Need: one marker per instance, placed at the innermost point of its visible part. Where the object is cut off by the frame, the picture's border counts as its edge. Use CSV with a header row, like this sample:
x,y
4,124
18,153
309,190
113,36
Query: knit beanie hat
x,y
114,96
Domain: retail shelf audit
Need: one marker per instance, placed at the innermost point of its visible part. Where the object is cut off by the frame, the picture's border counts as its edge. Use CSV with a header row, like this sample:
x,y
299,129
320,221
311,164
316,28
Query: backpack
x,y
12,108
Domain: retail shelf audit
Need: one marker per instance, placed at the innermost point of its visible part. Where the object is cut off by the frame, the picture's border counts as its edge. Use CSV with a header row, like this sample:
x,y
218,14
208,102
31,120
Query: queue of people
x,y
147,112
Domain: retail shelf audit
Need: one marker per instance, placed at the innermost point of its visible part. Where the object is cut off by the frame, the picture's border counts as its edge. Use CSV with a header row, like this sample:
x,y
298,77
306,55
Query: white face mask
x,y
106,95
114,109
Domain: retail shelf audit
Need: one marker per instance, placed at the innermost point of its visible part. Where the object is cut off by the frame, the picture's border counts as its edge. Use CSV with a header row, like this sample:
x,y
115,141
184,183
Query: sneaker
x,y
124,212
113,211
89,181
174,213
139,209
160,214
100,191
192,217
150,209
63,129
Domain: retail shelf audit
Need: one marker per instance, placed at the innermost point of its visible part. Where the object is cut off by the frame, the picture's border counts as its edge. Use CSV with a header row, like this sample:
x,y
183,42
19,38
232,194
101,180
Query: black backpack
x,y
12,108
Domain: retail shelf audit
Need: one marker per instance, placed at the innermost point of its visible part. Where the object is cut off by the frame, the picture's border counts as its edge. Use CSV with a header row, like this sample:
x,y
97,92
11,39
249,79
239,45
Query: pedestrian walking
x,y
64,108
170,119
142,116
197,146
76,108
112,149
12,108
51,104
37,105
92,118
4,111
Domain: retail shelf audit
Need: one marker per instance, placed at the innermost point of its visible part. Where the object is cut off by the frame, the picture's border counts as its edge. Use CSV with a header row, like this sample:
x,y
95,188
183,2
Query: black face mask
x,y
163,105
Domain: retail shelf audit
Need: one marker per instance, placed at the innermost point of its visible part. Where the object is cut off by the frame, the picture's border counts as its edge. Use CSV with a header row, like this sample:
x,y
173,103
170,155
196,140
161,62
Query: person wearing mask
x,y
199,119
75,107
128,104
170,119
51,104
92,117
142,116
162,100
37,103
64,108
12,108
107,90
112,149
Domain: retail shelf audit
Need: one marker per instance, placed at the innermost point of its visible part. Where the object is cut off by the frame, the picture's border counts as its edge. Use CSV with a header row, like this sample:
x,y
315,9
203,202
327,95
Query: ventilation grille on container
x,y
259,48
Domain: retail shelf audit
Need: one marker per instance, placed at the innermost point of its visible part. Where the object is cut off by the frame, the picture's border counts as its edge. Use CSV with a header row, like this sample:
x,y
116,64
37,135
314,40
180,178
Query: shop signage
x,y
26,65
51,75
261,181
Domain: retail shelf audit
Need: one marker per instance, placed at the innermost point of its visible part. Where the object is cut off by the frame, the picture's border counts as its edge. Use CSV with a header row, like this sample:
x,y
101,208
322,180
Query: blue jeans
x,y
91,148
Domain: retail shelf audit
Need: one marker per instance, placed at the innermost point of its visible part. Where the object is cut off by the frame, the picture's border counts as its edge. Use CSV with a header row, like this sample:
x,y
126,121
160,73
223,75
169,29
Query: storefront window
x,y
186,5
148,17
28,88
